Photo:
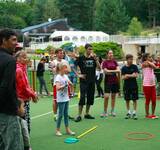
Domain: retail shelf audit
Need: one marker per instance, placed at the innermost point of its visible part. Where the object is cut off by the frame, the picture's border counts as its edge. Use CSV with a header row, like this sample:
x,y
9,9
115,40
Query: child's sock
x,y
134,111
129,112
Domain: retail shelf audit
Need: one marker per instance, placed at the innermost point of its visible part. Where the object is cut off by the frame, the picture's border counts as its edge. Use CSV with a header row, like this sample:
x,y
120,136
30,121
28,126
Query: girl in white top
x,y
62,81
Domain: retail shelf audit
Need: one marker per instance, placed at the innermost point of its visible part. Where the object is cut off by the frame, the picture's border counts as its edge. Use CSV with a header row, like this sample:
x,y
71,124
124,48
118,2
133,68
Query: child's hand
x,y
35,99
82,76
134,75
126,76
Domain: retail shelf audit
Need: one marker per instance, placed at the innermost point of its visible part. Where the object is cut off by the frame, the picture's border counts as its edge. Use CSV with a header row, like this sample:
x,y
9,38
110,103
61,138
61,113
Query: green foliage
x,y
49,48
10,21
39,51
79,13
135,27
101,48
111,16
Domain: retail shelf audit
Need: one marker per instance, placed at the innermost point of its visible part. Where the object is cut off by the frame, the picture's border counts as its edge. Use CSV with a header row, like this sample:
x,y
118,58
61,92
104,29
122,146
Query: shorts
x,y
130,94
111,88
87,89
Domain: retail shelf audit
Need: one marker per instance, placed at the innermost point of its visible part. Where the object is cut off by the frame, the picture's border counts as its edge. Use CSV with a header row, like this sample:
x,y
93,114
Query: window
x,y
105,38
75,39
83,39
90,38
66,38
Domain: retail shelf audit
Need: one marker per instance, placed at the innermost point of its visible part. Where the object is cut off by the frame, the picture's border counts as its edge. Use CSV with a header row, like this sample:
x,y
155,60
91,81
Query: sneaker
x,y
78,119
128,115
113,114
58,133
71,133
97,96
154,117
149,117
134,116
103,115
89,117
71,118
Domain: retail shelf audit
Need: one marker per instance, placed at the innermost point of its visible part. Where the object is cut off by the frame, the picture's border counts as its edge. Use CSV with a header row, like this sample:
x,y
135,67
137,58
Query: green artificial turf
x,y
110,134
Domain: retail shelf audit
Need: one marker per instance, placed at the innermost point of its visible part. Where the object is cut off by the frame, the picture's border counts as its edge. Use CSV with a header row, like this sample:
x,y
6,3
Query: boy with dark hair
x,y
87,64
130,87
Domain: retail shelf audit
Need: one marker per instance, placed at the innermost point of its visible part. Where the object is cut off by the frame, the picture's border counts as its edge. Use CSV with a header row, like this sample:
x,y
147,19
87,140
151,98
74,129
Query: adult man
x,y
10,131
87,64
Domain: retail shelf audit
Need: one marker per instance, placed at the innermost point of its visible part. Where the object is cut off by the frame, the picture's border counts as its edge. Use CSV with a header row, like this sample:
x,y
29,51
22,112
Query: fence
x,y
47,77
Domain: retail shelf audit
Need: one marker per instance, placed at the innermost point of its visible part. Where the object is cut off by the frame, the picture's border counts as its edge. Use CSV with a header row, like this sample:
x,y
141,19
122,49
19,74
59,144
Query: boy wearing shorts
x,y
130,87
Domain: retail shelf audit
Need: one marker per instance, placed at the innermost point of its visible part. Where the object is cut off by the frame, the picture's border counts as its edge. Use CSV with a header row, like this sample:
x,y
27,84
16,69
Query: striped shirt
x,y
148,77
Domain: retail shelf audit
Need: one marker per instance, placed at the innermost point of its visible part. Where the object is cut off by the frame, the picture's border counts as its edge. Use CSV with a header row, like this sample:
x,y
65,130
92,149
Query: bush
x,y
39,51
49,48
101,48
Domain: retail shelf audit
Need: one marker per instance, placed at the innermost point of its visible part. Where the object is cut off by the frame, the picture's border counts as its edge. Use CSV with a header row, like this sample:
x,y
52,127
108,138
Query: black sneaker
x,y
89,117
71,118
134,116
128,115
78,119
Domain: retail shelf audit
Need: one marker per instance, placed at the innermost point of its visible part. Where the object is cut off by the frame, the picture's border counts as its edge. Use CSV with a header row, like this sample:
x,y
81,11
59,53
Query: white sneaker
x,y
113,114
71,133
103,115
58,133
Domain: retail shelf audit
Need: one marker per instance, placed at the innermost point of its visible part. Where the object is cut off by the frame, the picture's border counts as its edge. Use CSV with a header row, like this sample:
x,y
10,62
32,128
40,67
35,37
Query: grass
x,y
110,134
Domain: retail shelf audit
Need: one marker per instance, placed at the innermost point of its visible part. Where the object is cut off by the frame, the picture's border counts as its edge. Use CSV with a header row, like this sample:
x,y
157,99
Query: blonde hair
x,y
61,65
19,54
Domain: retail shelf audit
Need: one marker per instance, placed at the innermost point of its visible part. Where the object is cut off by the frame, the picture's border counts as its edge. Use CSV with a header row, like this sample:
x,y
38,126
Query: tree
x,y
79,13
15,14
51,10
135,27
111,16
10,21
153,12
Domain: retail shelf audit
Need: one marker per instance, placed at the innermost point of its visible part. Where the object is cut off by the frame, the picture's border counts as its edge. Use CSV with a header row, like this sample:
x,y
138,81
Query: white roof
x,y
78,33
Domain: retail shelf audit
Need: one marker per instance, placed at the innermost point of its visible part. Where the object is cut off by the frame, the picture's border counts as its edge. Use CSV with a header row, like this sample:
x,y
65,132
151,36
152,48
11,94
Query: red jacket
x,y
24,91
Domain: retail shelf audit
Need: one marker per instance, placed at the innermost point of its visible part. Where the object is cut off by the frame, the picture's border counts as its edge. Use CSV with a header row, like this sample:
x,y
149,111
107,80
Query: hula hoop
x,y
149,136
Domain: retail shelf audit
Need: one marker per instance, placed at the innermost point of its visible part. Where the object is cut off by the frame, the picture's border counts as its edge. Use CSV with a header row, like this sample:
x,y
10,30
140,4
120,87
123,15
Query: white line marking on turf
x,y
38,116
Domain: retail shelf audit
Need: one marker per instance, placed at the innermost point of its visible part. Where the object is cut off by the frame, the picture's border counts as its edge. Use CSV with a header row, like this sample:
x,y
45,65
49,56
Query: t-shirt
x,y
62,95
88,67
54,65
73,68
40,69
110,65
130,83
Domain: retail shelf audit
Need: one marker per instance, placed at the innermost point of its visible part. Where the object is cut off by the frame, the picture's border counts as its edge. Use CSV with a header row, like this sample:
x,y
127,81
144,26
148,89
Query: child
x,y
24,127
24,92
130,87
149,88
62,81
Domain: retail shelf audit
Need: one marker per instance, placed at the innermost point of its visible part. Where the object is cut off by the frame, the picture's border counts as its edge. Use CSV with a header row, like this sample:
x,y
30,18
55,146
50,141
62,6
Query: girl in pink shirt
x,y
149,87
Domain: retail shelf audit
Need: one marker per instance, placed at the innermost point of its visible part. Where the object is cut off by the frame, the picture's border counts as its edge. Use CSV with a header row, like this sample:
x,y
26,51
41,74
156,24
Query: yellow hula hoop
x,y
86,132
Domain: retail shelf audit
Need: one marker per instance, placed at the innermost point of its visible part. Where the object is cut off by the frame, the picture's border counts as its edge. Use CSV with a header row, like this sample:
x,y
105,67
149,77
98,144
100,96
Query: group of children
x,y
129,74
